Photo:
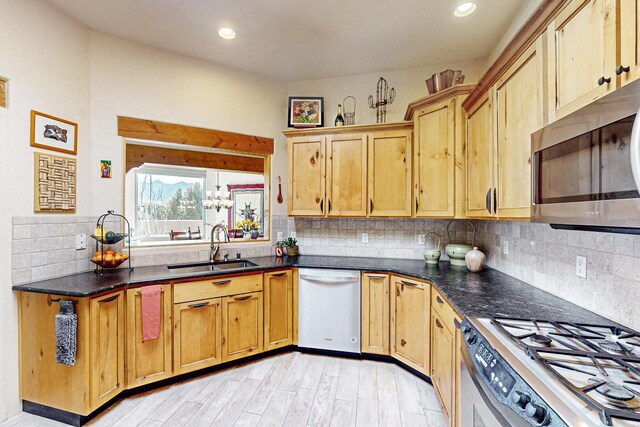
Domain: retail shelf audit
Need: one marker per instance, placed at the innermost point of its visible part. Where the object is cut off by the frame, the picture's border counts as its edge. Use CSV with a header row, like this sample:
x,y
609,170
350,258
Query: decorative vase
x,y
246,235
255,233
292,250
475,260
432,255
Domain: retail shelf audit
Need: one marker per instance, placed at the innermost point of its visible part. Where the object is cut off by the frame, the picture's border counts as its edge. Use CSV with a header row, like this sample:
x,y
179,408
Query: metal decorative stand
x,y
349,114
384,96
103,240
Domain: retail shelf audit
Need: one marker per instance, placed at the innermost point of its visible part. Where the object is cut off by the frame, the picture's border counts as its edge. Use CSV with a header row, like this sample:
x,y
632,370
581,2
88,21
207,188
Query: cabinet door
x,y
410,315
375,313
196,335
480,152
390,174
434,160
581,50
519,110
443,362
278,309
629,42
306,176
107,347
347,175
148,360
242,326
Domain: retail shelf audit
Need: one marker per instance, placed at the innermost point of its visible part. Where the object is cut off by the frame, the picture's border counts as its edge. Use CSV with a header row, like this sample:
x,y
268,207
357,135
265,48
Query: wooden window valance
x,y
136,155
151,130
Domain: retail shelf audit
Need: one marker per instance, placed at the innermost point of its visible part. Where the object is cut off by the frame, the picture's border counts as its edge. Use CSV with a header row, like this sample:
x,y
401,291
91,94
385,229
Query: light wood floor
x,y
292,389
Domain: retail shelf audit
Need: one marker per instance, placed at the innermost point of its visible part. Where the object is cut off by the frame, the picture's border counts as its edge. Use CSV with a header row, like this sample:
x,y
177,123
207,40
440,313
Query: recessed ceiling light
x,y
227,33
465,9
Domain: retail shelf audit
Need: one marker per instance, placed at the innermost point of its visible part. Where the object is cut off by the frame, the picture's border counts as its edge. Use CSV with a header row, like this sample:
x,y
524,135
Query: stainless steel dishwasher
x,y
329,309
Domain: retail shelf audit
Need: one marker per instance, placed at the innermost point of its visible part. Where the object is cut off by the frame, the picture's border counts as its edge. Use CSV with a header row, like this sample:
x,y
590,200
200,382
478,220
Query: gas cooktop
x,y
598,364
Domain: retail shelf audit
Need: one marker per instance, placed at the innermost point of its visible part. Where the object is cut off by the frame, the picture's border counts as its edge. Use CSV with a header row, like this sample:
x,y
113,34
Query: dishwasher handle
x,y
331,280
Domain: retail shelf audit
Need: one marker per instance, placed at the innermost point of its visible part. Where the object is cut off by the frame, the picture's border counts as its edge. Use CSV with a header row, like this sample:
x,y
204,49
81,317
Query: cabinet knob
x,y
621,69
602,80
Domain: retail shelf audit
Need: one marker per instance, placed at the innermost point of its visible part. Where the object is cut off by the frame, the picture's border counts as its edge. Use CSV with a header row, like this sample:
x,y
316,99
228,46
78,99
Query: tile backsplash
x,y
44,247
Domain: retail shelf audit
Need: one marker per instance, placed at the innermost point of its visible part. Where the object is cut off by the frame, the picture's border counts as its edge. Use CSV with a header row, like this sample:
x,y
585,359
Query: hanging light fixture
x,y
218,199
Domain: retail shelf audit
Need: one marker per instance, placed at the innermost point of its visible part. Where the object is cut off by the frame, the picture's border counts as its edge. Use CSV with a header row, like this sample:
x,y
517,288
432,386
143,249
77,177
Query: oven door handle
x,y
492,403
634,151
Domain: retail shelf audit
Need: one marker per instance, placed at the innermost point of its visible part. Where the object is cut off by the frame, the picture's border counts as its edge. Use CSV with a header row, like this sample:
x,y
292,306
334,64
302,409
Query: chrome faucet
x,y
216,248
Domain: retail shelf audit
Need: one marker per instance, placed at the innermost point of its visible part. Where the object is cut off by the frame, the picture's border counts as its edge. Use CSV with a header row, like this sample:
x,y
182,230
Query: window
x,y
168,199
161,200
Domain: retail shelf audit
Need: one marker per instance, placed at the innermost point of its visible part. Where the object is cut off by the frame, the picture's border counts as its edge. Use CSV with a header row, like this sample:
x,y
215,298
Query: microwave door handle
x,y
634,151
533,178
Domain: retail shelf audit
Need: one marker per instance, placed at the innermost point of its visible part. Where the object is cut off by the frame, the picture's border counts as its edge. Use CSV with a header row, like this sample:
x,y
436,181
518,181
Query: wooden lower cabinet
x,y
242,325
278,309
410,318
443,362
107,320
375,313
148,360
196,335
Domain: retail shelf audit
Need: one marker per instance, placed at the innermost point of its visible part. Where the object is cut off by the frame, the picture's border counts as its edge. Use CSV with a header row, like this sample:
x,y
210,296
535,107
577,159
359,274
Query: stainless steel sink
x,y
215,266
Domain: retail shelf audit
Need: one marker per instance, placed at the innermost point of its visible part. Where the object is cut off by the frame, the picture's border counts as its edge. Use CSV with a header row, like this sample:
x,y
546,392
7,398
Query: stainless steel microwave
x,y
586,166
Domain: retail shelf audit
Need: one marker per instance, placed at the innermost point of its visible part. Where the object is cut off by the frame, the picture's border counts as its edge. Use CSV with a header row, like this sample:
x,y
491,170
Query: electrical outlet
x,y
421,239
81,241
365,237
280,235
505,247
293,234
581,266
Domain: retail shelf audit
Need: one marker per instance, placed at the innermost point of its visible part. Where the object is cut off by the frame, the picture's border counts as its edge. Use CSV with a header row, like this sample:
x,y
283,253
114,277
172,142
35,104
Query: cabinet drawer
x,y
214,287
441,306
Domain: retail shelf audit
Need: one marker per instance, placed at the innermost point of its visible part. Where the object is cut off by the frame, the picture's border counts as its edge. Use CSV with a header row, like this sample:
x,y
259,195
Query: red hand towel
x,y
151,312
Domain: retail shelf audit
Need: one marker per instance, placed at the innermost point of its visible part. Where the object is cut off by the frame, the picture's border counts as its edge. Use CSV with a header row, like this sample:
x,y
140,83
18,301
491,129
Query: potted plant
x,y
247,226
292,246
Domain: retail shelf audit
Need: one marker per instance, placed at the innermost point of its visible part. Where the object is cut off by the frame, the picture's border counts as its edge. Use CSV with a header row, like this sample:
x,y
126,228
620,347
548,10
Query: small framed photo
x,y
53,133
306,111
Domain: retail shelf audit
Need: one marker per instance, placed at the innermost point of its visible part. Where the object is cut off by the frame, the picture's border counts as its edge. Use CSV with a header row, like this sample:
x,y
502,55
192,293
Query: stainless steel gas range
x,y
522,372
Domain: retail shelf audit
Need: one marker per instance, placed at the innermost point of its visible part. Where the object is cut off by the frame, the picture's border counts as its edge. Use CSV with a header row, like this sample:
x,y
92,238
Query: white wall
x,y
409,85
45,57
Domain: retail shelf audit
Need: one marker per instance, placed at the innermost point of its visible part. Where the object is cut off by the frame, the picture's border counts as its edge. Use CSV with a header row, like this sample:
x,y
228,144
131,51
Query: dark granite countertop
x,y
489,293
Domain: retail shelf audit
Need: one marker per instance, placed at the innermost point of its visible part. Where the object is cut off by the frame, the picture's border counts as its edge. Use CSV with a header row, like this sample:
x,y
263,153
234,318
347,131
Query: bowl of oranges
x,y
109,258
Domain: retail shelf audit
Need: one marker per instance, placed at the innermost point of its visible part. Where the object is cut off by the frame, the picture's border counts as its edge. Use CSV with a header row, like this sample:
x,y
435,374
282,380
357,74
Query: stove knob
x,y
471,338
521,399
537,413
466,329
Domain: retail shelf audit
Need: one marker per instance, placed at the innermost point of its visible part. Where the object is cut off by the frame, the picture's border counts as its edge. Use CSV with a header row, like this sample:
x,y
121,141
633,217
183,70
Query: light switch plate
x,y
81,241
279,235
505,247
581,266
421,239
365,237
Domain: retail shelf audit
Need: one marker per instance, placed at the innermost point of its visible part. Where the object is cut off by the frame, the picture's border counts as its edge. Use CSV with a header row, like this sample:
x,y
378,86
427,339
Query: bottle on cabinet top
x,y
339,119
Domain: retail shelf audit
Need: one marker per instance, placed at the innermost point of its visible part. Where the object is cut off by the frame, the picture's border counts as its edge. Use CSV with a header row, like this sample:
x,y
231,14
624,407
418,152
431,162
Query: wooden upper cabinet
x,y
375,313
278,309
629,42
306,159
480,159
197,335
347,175
410,319
107,347
435,160
390,174
242,325
148,360
519,107
582,50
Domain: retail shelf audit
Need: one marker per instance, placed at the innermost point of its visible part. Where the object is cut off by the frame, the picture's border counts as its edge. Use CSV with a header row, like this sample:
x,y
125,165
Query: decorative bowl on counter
x,y
110,238
457,251
109,258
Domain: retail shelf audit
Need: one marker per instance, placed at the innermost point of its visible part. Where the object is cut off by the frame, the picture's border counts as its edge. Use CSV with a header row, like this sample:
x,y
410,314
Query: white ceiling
x,y
292,40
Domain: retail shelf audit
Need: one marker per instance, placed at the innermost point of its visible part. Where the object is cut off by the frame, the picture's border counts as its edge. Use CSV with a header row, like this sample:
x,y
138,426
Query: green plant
x,y
289,242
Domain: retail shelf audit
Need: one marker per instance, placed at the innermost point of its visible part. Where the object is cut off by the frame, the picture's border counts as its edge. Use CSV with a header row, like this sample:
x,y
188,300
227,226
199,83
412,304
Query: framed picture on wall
x,y
306,111
53,133
55,183
248,203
